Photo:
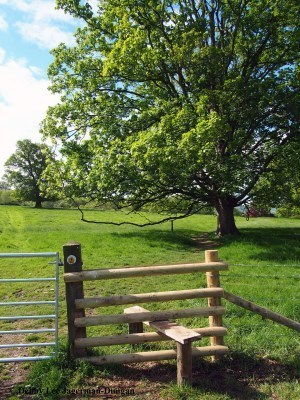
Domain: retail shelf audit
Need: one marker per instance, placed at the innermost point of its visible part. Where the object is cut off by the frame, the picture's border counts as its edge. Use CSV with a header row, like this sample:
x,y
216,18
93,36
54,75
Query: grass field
x,y
264,361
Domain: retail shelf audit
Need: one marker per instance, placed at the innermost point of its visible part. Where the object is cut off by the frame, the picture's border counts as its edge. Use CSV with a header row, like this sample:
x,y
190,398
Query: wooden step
x,y
174,331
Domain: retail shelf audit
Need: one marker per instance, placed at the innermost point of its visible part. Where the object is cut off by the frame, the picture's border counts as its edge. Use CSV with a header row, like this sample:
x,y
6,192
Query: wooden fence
x,y
135,317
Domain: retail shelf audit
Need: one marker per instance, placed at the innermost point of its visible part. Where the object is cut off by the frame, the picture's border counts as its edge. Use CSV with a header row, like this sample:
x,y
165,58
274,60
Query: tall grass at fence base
x,y
53,378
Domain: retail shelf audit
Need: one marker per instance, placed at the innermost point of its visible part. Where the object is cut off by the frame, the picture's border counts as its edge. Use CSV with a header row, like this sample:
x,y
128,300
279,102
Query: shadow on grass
x,y
268,244
184,239
238,376
265,244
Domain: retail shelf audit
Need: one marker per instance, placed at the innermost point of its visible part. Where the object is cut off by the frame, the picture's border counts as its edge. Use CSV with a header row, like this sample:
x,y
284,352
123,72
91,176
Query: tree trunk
x,y
226,223
38,203
38,197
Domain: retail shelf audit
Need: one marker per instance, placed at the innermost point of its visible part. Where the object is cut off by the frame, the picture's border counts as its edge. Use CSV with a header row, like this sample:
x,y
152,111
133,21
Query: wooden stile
x,y
136,316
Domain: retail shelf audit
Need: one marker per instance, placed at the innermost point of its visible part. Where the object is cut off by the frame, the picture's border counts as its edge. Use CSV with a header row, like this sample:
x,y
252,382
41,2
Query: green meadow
x,y
264,267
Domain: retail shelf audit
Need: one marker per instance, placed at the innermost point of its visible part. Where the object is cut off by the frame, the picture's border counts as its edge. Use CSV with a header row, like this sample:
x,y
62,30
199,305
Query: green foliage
x,y
176,205
24,171
288,211
281,190
7,197
188,99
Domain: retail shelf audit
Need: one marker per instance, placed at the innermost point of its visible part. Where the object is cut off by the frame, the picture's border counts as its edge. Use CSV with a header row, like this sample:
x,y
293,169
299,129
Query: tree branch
x,y
188,213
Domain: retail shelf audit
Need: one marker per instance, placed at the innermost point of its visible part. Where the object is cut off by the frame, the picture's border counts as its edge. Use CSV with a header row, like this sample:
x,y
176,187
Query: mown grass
x,y
264,268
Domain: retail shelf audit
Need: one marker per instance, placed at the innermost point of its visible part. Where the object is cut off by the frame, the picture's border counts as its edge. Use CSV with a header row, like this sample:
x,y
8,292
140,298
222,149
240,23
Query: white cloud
x,y
42,24
44,35
24,99
2,55
3,24
40,9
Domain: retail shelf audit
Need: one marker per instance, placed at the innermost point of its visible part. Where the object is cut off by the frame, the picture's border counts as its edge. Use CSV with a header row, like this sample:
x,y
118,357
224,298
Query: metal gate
x,y
13,318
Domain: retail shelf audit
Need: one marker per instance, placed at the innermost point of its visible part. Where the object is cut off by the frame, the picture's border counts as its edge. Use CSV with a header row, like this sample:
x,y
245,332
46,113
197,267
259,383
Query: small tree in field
x,y
188,100
24,171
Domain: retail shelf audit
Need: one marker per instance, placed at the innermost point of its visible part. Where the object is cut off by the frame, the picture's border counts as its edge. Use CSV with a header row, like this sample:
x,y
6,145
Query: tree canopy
x,y
24,171
191,100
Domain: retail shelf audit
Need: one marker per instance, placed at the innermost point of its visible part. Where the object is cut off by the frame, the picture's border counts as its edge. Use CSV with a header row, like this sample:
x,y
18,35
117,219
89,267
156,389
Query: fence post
x,y
74,290
184,363
213,281
134,327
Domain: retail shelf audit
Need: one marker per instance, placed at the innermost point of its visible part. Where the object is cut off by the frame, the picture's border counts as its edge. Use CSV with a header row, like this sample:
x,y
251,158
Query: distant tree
x,y
192,100
4,185
24,171
290,209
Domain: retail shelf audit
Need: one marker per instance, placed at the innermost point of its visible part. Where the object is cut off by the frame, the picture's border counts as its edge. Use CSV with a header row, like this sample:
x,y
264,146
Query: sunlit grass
x,y
264,268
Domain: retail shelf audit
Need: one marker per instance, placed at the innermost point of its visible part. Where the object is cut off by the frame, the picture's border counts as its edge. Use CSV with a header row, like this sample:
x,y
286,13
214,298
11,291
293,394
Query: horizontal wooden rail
x,y
153,355
264,312
148,316
146,337
115,273
148,297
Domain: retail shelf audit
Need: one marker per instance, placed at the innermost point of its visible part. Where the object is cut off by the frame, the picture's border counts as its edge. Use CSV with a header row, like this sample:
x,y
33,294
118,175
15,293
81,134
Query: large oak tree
x,y
191,101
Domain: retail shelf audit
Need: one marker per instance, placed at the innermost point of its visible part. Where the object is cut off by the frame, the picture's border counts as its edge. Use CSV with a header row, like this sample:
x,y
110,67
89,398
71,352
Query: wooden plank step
x,y
171,329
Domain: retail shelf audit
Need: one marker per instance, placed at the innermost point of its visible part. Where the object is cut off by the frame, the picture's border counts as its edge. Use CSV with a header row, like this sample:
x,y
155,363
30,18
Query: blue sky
x,y
29,29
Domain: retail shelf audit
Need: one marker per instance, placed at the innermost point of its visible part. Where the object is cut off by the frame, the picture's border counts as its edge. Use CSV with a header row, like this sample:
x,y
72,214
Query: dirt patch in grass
x,y
12,375
205,242
145,380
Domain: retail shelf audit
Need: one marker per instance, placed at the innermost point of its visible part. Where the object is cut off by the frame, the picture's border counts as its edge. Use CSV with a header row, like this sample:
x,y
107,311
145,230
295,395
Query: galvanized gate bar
x,y
10,346
26,303
13,318
21,359
36,303
27,280
27,255
23,331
